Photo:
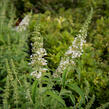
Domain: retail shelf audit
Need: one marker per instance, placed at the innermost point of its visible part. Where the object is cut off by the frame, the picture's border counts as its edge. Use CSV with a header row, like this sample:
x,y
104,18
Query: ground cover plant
x,y
56,59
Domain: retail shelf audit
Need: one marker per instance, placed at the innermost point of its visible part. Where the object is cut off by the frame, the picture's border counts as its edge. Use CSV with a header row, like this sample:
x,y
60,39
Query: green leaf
x,y
69,94
72,99
64,77
89,104
34,87
75,88
65,91
54,95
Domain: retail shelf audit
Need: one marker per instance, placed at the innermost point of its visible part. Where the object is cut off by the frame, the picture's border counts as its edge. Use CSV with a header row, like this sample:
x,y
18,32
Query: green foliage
x,y
13,45
85,86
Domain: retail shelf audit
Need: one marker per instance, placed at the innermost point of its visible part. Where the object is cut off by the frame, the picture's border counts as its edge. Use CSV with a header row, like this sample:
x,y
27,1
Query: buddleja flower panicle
x,y
38,63
23,24
76,49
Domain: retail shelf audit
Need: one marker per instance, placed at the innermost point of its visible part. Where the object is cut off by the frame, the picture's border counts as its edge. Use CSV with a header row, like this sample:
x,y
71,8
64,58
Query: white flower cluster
x,y
38,63
75,50
23,24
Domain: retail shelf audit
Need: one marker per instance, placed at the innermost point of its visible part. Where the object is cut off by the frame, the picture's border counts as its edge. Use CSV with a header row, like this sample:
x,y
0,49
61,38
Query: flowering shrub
x,y
59,41
79,63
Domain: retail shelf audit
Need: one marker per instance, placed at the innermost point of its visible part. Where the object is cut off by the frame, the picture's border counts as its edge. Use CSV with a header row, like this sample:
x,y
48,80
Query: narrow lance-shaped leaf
x,y
34,88
89,104
57,97
75,88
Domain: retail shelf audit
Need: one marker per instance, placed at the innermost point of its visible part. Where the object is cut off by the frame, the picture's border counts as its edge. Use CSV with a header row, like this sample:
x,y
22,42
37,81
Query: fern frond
x,y
9,72
27,90
7,86
6,94
15,71
15,93
15,84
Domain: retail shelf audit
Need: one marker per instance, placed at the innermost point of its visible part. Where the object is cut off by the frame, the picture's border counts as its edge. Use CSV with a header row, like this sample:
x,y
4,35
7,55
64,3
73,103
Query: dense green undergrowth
x,y
38,50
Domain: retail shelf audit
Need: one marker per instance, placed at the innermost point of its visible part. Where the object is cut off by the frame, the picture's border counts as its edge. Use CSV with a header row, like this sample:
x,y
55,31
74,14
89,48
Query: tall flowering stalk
x,y
76,49
23,24
38,63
